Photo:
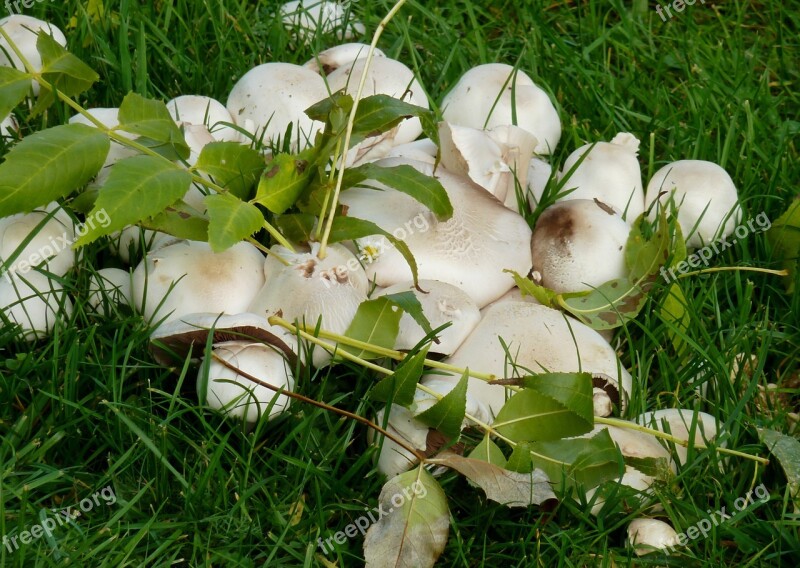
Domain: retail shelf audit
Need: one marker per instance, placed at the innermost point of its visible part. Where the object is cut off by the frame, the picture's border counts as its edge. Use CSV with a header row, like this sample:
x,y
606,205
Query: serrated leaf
x,y
411,305
508,488
351,228
489,452
413,531
284,180
231,220
784,236
787,451
50,164
529,415
520,459
178,220
297,227
609,305
376,322
14,87
406,179
673,311
400,386
578,462
151,119
137,188
377,114
233,166
447,414
573,390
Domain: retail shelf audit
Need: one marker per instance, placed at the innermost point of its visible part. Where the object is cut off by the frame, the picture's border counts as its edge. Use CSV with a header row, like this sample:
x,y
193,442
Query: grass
x,y
89,408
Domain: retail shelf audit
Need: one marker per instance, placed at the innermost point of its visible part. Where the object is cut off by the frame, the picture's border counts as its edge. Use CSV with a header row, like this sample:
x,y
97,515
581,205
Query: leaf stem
x,y
735,269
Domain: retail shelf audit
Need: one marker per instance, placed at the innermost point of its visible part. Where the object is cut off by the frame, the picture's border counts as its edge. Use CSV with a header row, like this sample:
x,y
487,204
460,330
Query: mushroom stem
x,y
351,122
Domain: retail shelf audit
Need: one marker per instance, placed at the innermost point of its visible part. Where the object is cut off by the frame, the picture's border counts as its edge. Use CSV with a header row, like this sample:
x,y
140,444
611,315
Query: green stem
x,y
735,269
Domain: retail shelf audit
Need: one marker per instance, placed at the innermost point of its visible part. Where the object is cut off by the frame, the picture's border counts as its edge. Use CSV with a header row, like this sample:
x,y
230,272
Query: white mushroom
x,y
271,96
705,195
329,60
469,251
50,247
679,423
539,173
442,303
187,277
491,95
35,302
109,286
579,245
423,150
305,17
609,172
127,242
394,458
23,31
650,535
198,110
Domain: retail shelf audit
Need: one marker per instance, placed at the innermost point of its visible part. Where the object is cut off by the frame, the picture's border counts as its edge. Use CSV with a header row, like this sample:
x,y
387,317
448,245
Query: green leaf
x,y
376,322
784,236
284,180
413,531
322,110
787,451
409,302
520,459
233,166
69,74
178,220
544,296
351,228
673,311
137,188
230,220
609,305
50,164
425,189
489,452
447,414
14,87
530,415
578,462
151,119
297,227
573,390
400,386
644,256
377,114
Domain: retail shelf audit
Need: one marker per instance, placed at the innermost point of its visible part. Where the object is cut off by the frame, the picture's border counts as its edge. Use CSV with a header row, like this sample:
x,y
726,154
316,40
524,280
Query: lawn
x,y
88,414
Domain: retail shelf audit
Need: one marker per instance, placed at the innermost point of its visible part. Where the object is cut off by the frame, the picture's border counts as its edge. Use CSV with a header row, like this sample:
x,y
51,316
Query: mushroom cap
x,y
23,31
128,241
423,150
650,535
470,250
539,173
244,398
199,110
568,240
50,247
386,77
35,302
329,60
8,126
303,19
188,277
394,459
705,195
273,95
679,422
610,172
474,102
540,338
513,295
442,303
112,284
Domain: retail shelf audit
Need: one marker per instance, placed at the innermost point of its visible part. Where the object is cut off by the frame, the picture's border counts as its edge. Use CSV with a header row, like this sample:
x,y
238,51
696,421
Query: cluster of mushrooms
x,y
498,129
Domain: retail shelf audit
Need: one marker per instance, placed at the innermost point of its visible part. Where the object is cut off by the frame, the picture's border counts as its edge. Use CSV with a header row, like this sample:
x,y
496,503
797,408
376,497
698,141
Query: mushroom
x,y
188,277
470,250
198,110
495,94
126,243
650,535
329,60
578,245
270,97
304,19
35,302
310,289
23,31
423,150
705,195
49,247
678,423
609,172
109,286
441,303
8,127
539,174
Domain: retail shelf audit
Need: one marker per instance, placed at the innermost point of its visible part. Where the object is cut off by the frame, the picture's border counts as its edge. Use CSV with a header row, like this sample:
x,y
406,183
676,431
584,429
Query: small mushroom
x,y
23,31
679,423
305,18
270,97
441,303
609,172
494,94
650,535
109,286
50,247
329,60
35,302
579,245
202,111
705,195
